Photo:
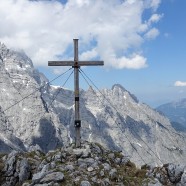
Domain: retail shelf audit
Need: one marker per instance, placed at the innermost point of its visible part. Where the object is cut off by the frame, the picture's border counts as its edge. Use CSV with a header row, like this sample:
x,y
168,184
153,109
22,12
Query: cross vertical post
x,y
76,64
77,122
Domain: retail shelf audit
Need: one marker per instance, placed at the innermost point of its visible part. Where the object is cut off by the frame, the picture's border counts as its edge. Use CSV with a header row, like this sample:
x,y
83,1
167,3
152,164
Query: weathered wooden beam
x,y
61,63
76,64
90,63
72,63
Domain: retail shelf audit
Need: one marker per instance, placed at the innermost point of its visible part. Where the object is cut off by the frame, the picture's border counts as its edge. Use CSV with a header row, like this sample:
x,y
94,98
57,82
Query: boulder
x,y
39,175
52,177
175,172
24,170
113,174
183,178
85,183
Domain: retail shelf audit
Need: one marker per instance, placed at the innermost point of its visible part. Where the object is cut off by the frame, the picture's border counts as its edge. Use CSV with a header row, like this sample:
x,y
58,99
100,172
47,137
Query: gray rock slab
x,y
53,177
24,172
39,175
69,167
85,183
183,179
106,166
175,172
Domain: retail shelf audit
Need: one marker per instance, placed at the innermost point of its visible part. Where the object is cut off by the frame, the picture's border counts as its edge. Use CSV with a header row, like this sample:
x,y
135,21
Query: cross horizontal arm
x,y
61,63
90,63
72,63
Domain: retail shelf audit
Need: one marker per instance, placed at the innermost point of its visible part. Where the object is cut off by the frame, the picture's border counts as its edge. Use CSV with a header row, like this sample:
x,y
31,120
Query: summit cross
x,y
76,64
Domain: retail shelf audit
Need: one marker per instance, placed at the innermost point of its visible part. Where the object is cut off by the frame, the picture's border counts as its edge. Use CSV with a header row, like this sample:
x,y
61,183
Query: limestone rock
x,y
24,171
175,172
106,166
69,167
39,175
113,174
85,183
61,167
53,177
183,179
90,169
10,164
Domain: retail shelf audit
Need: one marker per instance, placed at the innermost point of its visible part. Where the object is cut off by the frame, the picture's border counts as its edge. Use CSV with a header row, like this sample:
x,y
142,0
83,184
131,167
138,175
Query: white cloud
x,y
155,18
45,29
152,33
89,54
57,71
134,62
180,84
155,4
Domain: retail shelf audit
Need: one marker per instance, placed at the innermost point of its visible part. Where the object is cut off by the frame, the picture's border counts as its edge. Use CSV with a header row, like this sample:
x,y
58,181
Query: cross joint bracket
x,y
76,65
77,123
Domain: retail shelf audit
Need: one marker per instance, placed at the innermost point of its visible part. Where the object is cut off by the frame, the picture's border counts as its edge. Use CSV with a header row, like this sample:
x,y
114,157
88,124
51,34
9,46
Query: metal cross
x,y
76,64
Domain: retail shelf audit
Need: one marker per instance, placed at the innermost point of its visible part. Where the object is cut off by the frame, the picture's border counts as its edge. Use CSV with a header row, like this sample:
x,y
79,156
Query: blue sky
x,y
142,43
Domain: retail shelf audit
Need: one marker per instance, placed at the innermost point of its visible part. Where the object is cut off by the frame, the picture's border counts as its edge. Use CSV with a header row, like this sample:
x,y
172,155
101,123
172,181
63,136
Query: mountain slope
x,y
18,78
127,125
176,112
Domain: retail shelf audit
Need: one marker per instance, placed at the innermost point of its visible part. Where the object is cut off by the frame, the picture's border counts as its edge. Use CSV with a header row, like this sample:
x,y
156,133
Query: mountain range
x,y
176,112
30,117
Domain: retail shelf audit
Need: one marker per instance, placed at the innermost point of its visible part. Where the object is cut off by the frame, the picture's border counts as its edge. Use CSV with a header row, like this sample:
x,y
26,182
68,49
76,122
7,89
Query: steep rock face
x,y
18,78
8,141
176,112
126,125
113,118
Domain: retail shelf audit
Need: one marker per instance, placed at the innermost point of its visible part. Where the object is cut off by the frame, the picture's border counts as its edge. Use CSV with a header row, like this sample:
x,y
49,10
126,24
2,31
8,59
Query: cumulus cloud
x,y
152,33
134,62
111,30
155,18
91,54
180,84
155,4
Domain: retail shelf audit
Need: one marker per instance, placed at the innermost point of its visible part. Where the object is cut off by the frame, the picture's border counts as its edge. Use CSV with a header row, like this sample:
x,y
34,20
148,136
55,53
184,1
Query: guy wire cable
x,y
35,91
55,96
118,125
134,131
118,112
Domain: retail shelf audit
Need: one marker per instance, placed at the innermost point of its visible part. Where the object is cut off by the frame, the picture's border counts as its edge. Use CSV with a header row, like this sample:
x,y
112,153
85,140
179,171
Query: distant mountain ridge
x,y
176,112
35,123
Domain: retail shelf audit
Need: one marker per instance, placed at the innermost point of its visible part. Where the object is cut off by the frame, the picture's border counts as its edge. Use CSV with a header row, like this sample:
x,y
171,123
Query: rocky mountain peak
x,y
2,46
14,59
3,51
90,165
121,90
118,86
107,116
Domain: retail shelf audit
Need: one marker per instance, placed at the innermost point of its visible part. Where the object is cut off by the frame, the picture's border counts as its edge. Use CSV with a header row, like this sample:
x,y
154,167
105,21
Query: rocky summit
x,y
31,119
89,165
